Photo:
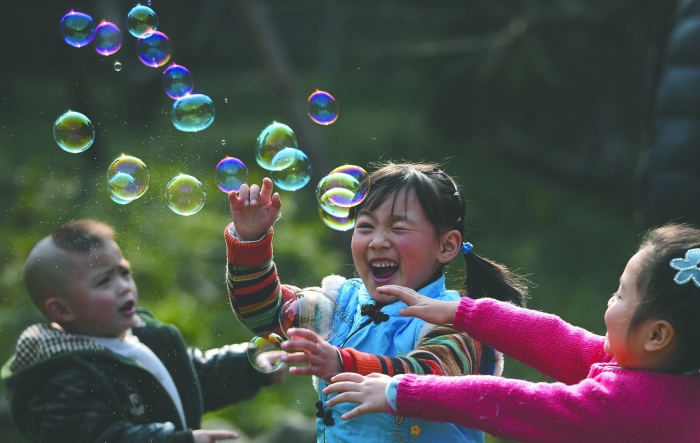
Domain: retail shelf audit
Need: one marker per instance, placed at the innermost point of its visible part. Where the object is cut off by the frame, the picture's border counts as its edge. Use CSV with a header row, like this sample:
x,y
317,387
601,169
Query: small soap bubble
x,y
296,175
223,142
127,179
230,174
310,309
193,113
108,38
77,28
273,139
185,195
73,132
117,66
225,100
337,223
265,352
141,21
322,108
177,81
154,50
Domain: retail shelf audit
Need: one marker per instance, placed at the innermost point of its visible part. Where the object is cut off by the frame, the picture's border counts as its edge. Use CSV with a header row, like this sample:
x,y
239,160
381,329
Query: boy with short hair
x,y
105,370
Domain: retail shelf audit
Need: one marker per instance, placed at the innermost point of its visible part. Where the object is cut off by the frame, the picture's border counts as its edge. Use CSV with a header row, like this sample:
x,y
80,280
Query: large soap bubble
x,y
296,175
345,187
339,223
73,132
310,309
230,174
265,352
272,141
77,28
185,195
193,113
154,50
127,179
108,38
322,108
177,81
141,21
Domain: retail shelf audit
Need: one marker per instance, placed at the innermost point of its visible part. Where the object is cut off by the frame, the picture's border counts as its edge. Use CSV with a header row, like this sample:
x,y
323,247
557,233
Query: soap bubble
x,y
296,175
270,142
310,309
154,50
193,113
127,179
177,81
77,28
338,223
141,21
73,132
185,195
223,142
230,174
322,108
344,187
265,352
108,38
117,66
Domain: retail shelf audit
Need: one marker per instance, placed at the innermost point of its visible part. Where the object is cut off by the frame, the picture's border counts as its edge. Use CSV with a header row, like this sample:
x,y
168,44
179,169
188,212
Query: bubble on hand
x,y
185,195
154,50
345,187
265,352
296,175
73,132
273,139
117,66
177,81
230,174
108,38
322,108
141,21
77,28
310,309
335,222
193,113
127,179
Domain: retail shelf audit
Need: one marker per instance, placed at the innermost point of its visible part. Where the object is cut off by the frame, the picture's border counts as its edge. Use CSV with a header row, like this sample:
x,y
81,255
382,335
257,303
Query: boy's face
x,y
100,293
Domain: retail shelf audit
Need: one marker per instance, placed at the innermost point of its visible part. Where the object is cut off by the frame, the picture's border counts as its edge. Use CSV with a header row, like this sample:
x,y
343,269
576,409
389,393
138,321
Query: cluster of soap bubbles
x,y
277,151
310,309
345,187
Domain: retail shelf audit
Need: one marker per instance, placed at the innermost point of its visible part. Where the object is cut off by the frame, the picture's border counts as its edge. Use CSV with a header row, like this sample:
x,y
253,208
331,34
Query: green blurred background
x,y
536,107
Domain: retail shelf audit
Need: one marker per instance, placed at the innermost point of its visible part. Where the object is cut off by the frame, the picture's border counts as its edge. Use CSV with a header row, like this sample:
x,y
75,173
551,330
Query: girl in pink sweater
x,y
639,383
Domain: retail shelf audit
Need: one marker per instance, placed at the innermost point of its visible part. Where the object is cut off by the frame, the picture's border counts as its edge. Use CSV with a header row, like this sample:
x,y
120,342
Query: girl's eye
x,y
126,272
104,281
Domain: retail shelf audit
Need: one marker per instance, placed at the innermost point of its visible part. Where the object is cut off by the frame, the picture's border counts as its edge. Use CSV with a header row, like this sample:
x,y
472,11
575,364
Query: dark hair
x,y
444,204
663,298
82,235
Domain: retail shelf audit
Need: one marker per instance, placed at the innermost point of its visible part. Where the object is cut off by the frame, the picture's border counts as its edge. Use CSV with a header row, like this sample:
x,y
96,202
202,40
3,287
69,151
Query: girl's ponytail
x,y
486,278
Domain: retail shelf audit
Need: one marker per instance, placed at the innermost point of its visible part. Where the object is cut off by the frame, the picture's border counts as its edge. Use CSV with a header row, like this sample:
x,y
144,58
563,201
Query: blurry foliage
x,y
533,106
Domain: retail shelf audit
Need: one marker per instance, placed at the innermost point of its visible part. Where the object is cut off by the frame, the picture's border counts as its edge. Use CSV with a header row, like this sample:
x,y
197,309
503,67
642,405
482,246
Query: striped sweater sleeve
x,y
443,351
254,290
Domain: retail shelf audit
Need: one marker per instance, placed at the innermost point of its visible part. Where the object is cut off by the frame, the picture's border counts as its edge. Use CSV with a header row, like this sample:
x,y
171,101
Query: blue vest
x,y
393,338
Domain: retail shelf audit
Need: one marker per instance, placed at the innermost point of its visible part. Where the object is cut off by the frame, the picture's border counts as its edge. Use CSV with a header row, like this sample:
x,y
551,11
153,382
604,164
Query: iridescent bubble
x,y
270,142
344,187
310,309
154,50
230,174
223,142
337,223
185,195
73,132
322,108
325,200
265,352
117,66
193,113
177,81
127,179
77,28
108,38
141,21
296,175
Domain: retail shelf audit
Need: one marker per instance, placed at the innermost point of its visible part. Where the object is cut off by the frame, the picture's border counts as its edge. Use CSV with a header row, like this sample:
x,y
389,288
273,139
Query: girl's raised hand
x,y
321,357
367,391
254,209
433,311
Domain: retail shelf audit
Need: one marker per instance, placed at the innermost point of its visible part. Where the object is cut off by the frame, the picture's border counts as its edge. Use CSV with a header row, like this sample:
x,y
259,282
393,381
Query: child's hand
x,y
367,391
433,311
207,436
321,357
254,209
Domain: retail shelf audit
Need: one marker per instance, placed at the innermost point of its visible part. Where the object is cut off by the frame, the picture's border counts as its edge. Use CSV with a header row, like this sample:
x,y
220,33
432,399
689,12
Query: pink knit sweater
x,y
593,401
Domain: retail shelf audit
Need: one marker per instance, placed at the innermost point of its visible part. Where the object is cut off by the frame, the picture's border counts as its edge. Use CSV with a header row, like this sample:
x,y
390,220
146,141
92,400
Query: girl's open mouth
x,y
128,308
383,269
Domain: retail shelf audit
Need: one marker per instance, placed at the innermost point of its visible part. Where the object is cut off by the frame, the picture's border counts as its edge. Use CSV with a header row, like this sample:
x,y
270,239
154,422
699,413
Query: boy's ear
x,y
660,336
57,310
450,245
